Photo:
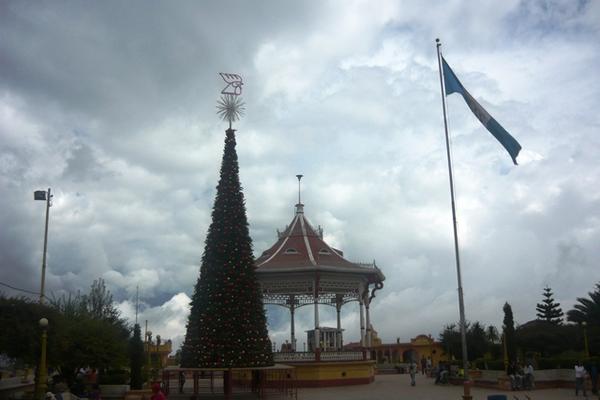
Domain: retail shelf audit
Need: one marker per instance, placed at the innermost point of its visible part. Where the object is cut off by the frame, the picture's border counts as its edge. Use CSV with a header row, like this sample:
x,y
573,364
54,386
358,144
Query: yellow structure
x,y
157,352
420,347
323,373
336,373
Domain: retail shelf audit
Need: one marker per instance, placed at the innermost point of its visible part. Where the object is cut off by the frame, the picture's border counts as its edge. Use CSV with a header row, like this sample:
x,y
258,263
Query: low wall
x,y
543,379
339,373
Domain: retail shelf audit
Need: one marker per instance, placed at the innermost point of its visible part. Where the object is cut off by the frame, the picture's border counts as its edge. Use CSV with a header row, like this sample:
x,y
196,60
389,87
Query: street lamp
x,y
158,360
46,196
42,373
148,341
585,339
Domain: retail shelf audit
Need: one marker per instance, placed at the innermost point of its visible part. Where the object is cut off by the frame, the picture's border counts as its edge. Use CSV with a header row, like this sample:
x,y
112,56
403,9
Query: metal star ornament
x,y
230,108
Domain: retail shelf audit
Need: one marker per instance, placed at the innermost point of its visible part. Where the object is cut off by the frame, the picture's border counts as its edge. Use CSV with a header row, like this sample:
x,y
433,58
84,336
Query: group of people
x,y
441,372
521,376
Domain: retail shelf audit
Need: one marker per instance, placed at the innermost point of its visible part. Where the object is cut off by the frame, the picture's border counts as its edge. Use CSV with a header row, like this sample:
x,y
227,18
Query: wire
x,y
20,290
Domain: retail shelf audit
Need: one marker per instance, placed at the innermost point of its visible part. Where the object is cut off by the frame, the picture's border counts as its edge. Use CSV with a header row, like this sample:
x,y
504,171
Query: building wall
x,y
419,347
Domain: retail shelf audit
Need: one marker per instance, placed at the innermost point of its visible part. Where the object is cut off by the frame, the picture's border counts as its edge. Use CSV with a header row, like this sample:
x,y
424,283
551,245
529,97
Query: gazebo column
x,y
317,333
338,335
292,327
362,323
317,338
368,335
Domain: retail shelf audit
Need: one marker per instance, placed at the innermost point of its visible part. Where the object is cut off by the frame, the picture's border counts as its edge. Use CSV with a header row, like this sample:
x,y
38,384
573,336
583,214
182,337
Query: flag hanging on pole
x,y
453,85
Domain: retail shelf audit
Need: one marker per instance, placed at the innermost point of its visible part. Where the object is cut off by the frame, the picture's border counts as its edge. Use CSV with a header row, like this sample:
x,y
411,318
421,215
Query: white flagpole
x,y
461,303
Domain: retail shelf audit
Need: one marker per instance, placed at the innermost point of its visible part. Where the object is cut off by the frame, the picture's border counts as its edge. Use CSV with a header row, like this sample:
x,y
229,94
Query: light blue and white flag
x,y
453,85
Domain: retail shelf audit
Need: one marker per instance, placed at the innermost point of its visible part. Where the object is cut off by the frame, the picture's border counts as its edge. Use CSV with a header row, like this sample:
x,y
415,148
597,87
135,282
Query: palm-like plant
x,y
587,309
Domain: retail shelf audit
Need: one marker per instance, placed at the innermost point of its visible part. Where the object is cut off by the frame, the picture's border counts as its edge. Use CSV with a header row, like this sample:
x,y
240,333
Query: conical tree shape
x,y
136,357
548,310
227,326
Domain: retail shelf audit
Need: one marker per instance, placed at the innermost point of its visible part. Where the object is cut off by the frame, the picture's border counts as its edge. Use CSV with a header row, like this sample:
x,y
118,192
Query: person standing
x,y
594,376
413,372
580,379
181,381
157,393
529,382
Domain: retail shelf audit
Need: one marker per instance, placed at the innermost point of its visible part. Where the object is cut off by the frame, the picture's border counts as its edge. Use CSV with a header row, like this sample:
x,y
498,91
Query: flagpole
x,y
461,303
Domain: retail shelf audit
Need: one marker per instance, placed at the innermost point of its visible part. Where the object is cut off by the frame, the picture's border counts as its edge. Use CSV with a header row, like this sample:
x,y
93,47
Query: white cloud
x,y
114,110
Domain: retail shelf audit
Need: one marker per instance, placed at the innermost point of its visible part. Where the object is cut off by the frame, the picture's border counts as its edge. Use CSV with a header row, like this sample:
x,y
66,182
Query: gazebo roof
x,y
300,248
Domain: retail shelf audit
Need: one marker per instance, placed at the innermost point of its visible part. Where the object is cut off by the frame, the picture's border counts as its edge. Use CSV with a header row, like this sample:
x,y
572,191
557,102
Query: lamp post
x,y
585,340
42,195
42,373
158,360
505,352
148,341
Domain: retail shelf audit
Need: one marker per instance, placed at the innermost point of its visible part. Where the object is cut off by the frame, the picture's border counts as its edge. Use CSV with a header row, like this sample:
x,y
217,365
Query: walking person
x,y
580,379
181,381
594,376
413,372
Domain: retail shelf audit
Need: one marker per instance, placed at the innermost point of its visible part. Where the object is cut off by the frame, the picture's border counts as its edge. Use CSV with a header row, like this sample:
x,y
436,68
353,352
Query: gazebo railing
x,y
343,356
309,356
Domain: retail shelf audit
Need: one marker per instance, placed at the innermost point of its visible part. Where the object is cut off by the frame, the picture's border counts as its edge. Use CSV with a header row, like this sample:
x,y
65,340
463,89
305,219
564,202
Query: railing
x,y
296,356
276,382
342,356
324,356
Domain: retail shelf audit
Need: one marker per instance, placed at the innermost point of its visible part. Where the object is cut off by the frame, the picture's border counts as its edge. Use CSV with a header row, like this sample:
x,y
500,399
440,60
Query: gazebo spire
x,y
299,206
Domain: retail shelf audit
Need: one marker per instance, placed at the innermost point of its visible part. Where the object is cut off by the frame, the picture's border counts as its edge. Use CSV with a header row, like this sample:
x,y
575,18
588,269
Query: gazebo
x,y
301,269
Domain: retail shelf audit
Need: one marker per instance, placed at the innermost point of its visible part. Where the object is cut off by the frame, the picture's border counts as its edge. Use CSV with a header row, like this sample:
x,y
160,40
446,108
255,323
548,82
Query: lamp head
x,y
39,195
43,323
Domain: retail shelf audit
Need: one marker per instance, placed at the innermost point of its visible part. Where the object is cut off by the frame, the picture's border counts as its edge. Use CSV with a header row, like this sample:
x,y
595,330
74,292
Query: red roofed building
x,y
301,269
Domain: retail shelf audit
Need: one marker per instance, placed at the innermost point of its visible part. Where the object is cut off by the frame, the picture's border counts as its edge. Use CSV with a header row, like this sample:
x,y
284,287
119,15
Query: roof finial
x,y
299,177
299,205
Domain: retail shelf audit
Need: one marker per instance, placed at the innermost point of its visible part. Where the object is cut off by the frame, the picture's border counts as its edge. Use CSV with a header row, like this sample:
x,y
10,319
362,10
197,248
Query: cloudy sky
x,y
112,105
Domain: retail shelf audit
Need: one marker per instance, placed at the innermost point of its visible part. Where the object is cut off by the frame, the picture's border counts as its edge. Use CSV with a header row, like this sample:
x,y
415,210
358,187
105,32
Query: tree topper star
x,y
230,108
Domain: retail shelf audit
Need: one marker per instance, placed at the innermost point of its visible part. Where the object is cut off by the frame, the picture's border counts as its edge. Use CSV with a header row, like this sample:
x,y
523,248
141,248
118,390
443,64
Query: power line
x,y
20,290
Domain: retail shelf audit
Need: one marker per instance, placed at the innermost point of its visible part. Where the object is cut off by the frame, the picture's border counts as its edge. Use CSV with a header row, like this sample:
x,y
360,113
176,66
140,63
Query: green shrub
x,y
556,362
482,363
114,377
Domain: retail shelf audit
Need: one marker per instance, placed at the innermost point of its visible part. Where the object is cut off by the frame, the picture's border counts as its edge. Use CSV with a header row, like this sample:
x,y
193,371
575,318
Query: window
x,y
291,251
324,252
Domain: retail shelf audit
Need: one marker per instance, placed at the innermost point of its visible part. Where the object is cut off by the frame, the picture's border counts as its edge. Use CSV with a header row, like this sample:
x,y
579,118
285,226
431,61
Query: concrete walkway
x,y
397,387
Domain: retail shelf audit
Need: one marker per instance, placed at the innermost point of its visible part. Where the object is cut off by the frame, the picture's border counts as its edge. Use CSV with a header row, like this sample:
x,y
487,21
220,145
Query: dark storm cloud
x,y
112,104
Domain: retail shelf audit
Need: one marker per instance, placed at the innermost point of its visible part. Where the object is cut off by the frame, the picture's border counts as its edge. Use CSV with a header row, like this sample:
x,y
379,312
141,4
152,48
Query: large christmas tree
x,y
548,310
227,326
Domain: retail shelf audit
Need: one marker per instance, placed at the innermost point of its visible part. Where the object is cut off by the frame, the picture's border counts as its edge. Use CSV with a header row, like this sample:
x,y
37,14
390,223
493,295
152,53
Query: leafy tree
x,y
509,333
476,340
97,304
20,336
451,341
73,341
546,338
136,358
91,342
492,334
587,310
548,310
227,323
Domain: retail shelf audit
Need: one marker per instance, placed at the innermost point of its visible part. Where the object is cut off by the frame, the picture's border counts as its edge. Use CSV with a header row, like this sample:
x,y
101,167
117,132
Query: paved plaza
x,y
392,387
